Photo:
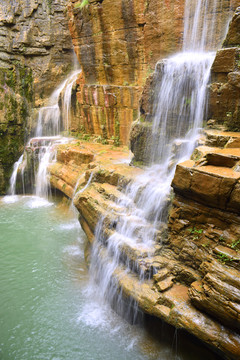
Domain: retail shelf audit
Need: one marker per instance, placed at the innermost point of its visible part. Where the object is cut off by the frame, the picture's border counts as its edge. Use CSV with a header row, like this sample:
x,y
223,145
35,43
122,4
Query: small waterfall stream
x,y
49,125
179,110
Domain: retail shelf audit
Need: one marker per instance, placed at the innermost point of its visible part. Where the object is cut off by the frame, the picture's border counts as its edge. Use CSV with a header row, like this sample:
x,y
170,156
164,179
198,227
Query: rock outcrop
x,y
190,278
118,44
35,54
224,106
204,225
223,93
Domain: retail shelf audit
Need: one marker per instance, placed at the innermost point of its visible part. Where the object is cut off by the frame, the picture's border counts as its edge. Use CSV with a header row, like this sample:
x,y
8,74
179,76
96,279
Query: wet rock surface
x,y
190,277
35,54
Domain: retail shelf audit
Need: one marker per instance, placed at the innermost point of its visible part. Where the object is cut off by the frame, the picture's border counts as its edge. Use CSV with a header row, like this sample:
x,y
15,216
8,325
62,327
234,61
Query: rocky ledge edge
x,y
191,276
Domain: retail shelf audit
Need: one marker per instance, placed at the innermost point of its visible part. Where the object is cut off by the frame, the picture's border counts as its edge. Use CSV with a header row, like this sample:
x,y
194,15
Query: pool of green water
x,y
46,308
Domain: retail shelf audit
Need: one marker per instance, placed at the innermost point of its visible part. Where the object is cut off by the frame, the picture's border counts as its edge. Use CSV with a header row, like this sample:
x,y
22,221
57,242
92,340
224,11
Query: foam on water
x,y
70,225
38,202
74,251
10,199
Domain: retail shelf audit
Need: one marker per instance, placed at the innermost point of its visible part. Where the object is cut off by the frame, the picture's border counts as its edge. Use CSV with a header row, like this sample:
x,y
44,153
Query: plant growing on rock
x,y
236,245
82,4
195,232
224,258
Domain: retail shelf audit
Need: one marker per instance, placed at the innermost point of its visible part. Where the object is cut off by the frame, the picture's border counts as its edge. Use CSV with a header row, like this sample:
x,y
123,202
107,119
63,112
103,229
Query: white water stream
x,y
50,122
179,110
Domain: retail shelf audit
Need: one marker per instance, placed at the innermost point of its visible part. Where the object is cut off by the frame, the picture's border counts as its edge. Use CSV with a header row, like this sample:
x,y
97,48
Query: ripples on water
x,y
48,309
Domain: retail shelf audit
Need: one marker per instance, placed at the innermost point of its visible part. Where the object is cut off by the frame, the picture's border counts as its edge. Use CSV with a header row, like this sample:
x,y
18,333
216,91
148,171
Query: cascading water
x,y
50,122
12,189
179,109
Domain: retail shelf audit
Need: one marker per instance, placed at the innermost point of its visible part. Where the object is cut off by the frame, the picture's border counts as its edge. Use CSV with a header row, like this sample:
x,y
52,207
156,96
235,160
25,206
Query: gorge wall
x,y
191,277
118,44
35,55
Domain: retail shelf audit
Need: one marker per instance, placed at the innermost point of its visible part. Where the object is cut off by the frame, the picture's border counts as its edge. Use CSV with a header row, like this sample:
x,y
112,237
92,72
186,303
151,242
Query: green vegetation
x,y
206,245
117,133
80,5
223,258
86,137
236,245
49,2
196,232
16,96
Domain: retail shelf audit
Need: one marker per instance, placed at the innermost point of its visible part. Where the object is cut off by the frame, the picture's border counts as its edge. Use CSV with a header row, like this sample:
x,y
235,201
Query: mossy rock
x,y
16,97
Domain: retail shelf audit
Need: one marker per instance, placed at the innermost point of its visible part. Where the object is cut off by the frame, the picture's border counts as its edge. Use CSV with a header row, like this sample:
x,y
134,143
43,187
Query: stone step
x,y
112,193
173,305
213,185
160,275
217,138
74,155
227,157
165,284
117,202
119,175
227,255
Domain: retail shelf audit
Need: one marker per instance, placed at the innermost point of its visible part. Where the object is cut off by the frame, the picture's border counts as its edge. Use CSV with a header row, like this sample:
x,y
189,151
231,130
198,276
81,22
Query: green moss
x,y
11,78
138,163
16,98
49,2
26,82
117,132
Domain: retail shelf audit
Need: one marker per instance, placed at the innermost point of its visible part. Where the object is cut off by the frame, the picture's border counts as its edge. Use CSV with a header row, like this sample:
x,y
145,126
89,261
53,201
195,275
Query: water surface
x,y
47,309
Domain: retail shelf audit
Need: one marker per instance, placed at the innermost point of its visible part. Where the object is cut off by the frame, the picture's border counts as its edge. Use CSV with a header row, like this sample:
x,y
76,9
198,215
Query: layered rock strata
x,y
35,54
35,33
190,278
223,90
225,83
118,44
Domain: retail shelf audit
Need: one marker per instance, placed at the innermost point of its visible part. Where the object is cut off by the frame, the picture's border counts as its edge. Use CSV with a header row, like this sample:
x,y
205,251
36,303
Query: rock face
x,y
225,84
118,44
36,33
204,227
224,92
35,54
16,97
190,278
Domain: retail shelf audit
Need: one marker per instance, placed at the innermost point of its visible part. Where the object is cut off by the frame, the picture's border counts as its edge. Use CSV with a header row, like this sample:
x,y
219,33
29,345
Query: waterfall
x,y
51,121
12,188
49,117
179,109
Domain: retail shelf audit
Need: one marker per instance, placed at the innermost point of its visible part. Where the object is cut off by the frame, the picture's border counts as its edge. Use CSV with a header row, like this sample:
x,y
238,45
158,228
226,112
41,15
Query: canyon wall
x,y
35,55
223,87
117,44
190,279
